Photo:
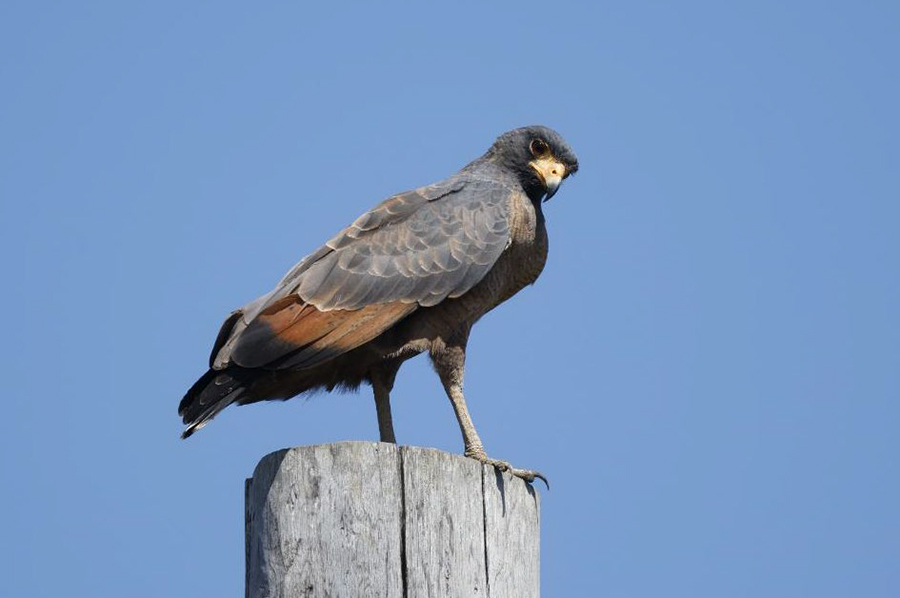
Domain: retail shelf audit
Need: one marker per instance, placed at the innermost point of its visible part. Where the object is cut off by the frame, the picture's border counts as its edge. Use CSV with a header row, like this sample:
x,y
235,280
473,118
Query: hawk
x,y
411,275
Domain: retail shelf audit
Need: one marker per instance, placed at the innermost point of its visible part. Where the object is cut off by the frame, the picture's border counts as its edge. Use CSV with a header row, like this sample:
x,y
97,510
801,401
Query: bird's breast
x,y
524,260
517,267
520,264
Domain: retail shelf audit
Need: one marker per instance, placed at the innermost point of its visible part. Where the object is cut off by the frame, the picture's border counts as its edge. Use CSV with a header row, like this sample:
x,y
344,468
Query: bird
x,y
410,276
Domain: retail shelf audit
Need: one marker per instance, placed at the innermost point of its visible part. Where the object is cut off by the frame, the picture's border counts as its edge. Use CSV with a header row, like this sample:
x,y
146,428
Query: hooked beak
x,y
551,171
552,186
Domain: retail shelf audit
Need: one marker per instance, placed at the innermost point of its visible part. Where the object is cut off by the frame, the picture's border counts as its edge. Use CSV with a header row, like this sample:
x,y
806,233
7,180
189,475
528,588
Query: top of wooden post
x,y
373,519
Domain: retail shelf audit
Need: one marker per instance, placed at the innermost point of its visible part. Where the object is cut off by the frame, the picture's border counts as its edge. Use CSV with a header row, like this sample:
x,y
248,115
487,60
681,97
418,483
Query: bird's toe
x,y
528,475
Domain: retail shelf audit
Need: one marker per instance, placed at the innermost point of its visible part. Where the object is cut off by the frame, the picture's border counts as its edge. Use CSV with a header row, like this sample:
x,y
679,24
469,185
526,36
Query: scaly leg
x,y
450,361
382,384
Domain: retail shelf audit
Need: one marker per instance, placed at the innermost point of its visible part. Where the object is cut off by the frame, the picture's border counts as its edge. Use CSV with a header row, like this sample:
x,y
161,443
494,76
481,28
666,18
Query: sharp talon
x,y
529,476
525,474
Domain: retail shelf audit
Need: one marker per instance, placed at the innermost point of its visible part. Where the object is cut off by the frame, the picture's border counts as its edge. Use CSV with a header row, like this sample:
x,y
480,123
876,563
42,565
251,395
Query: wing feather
x,y
414,249
357,328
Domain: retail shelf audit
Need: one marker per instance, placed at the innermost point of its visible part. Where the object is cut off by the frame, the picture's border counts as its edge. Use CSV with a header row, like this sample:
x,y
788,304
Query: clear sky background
x,y
708,370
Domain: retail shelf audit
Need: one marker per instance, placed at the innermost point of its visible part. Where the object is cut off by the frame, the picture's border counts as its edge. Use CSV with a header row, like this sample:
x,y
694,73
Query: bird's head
x,y
539,157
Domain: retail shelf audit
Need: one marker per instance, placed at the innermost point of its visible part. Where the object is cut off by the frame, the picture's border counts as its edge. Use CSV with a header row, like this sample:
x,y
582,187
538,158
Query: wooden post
x,y
366,519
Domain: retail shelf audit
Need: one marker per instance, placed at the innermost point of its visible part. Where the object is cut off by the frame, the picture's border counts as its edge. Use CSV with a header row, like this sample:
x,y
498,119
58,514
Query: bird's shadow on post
x,y
501,487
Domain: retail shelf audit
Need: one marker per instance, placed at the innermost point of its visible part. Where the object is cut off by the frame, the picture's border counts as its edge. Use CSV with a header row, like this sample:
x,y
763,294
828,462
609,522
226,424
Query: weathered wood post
x,y
365,519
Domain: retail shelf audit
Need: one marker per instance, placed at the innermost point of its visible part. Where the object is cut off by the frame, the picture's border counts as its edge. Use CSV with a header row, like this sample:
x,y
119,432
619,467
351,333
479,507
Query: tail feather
x,y
214,391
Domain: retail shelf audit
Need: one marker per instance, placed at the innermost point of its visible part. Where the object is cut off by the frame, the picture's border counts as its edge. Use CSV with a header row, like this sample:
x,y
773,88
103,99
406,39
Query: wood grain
x,y
512,532
325,521
370,519
444,516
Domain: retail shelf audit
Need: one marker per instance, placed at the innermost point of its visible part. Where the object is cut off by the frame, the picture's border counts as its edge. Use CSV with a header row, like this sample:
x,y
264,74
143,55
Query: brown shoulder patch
x,y
290,327
357,328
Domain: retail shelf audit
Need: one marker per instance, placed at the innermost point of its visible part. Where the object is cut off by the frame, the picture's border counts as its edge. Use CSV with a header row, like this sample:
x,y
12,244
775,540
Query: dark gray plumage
x,y
411,275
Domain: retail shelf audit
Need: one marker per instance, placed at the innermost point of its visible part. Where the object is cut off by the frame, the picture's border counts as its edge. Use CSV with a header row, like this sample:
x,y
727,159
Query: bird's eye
x,y
539,148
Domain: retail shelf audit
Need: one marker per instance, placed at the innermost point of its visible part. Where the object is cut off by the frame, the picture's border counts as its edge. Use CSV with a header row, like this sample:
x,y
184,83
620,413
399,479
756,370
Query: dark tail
x,y
214,391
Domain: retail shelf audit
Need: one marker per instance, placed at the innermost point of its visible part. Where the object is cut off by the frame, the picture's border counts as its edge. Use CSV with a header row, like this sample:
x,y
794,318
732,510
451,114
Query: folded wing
x,y
413,250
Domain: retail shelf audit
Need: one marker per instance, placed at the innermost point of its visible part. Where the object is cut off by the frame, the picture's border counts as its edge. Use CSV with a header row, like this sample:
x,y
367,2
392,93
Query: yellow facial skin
x,y
551,172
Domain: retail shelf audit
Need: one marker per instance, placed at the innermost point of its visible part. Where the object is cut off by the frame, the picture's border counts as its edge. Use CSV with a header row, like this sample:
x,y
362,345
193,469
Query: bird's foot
x,y
526,474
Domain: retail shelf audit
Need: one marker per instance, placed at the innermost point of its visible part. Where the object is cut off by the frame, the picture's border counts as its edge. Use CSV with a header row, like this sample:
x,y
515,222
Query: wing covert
x,y
414,249
441,248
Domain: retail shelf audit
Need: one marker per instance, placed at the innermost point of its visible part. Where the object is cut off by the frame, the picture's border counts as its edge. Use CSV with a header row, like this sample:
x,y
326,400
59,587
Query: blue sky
x,y
707,370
